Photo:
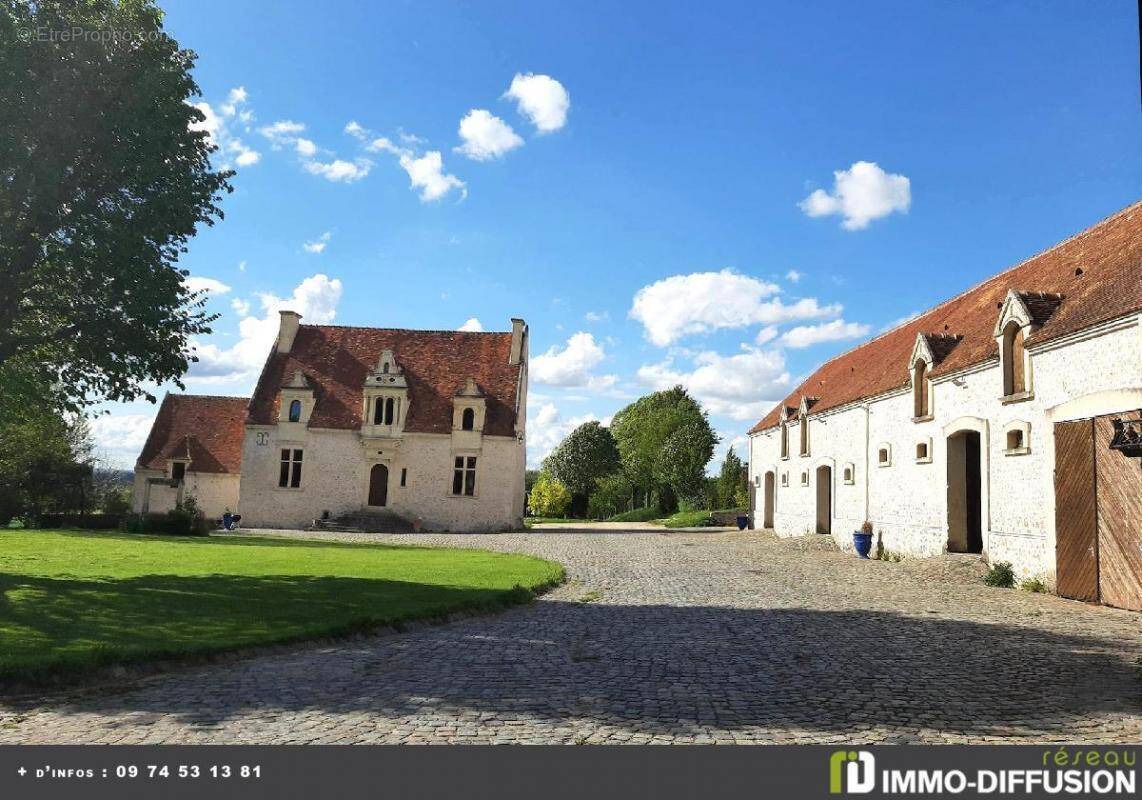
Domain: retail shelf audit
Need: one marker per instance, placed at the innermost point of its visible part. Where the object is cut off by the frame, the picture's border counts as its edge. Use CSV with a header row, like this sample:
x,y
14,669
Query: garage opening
x,y
965,492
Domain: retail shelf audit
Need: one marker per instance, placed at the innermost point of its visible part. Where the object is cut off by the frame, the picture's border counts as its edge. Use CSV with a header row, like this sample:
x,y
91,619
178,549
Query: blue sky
x,y
721,195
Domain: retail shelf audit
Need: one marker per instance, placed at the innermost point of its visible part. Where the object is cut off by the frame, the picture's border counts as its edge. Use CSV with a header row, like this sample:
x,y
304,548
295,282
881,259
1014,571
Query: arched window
x,y
804,436
921,406
295,411
468,419
379,412
385,368
389,404
1014,379
784,440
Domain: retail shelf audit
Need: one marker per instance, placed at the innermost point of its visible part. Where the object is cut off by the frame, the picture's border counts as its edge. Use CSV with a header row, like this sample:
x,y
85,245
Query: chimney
x,y
291,321
519,341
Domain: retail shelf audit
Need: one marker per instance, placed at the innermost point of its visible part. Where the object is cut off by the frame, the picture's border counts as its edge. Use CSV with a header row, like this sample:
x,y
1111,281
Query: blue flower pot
x,y
742,522
863,543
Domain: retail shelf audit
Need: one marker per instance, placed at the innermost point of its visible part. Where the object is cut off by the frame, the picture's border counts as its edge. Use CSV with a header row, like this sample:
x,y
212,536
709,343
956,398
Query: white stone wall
x,y
908,501
214,493
335,478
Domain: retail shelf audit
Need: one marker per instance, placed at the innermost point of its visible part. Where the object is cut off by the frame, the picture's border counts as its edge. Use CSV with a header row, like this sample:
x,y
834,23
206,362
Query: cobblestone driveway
x,y
668,637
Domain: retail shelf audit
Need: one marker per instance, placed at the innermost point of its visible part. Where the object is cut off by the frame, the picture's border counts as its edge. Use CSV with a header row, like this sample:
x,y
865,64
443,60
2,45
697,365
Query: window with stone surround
x,y
178,470
784,440
805,478
804,436
784,478
464,476
924,451
295,411
1014,360
849,474
884,455
1017,438
289,475
921,397
468,419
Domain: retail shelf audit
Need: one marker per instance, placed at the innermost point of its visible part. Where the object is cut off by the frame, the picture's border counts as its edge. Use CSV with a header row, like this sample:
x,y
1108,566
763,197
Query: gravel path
x,y
666,637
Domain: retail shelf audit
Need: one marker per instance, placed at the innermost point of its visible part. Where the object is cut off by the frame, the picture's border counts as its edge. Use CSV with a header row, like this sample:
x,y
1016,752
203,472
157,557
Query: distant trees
x,y
586,455
549,497
732,486
105,175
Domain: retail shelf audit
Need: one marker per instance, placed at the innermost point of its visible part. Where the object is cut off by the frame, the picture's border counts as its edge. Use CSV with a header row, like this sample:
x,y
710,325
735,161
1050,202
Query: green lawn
x,y
70,600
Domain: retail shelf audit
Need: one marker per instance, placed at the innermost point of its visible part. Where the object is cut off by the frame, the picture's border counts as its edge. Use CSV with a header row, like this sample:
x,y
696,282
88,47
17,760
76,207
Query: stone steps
x,y
364,522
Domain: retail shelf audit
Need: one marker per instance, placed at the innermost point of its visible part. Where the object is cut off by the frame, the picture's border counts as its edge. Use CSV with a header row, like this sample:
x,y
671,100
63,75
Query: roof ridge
x,y
408,330
206,396
1074,237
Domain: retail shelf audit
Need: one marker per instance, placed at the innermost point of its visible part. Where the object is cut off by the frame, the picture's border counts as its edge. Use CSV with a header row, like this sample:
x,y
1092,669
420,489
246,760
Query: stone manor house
x,y
406,427
1005,422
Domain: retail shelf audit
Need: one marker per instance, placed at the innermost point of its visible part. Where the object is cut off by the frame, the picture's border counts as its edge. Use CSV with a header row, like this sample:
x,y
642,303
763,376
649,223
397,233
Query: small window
x,y
1017,438
848,474
805,478
178,471
295,411
385,368
884,455
289,475
464,476
468,419
404,477
1014,439
784,478
923,453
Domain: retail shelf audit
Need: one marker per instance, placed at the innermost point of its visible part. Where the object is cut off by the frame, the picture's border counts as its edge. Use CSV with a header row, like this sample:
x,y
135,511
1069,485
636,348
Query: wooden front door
x,y
379,485
1076,527
1119,497
1098,514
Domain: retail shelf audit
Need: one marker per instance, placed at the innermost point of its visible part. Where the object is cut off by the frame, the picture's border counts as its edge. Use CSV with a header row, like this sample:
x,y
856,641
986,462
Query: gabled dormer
x,y
803,415
295,406
1020,315
929,350
469,409
385,402
786,414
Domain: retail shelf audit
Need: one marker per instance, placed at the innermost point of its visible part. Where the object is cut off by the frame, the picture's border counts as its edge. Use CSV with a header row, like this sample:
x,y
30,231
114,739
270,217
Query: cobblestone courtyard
x,y
666,637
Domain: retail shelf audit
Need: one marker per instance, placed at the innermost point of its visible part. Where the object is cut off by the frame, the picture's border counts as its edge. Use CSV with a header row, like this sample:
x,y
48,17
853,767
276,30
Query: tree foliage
x,y
732,488
664,441
587,454
105,175
612,495
549,497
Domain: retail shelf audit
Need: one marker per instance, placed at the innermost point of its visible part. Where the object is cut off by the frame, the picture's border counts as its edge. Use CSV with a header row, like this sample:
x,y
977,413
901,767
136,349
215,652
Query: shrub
x,y
185,519
690,519
116,502
1001,574
1035,585
549,497
612,494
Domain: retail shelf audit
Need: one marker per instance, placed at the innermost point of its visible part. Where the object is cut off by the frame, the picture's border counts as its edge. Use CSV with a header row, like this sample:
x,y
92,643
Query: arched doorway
x,y
965,493
770,489
824,499
379,485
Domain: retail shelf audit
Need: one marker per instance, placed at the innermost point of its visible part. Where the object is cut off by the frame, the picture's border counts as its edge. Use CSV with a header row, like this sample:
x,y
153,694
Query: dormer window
x,y
469,421
295,411
920,391
805,436
784,439
178,470
1013,356
1021,314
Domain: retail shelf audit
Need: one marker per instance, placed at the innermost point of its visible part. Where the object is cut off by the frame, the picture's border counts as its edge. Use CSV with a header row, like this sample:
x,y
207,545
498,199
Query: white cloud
x,y
282,133
354,129
486,136
241,307
427,174
546,428
705,301
861,193
734,386
305,148
542,99
196,284
232,151
318,245
119,438
473,324
315,298
766,335
338,170
242,265
572,365
835,331
793,276
596,316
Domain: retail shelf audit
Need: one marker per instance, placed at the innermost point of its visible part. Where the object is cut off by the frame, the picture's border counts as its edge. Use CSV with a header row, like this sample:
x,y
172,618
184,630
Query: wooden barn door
x,y
1076,524
1119,498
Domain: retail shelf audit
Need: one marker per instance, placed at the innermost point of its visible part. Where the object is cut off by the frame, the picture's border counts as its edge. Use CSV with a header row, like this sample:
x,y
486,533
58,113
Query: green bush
x,y
185,519
612,494
1035,585
117,502
638,515
549,498
1001,574
689,519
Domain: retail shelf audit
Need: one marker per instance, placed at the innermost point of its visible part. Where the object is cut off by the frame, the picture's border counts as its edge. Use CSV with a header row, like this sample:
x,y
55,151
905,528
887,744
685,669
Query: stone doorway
x,y
965,493
770,491
379,485
824,499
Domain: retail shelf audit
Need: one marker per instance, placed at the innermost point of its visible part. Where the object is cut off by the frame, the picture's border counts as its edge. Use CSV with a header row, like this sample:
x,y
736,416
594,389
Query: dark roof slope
x,y
207,430
335,360
1097,274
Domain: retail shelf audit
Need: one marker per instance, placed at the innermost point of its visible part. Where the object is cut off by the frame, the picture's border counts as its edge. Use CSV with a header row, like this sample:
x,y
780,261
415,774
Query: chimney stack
x,y
291,321
519,341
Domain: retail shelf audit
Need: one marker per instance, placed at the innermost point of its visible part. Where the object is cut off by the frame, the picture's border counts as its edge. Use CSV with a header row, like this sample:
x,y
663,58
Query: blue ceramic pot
x,y
863,543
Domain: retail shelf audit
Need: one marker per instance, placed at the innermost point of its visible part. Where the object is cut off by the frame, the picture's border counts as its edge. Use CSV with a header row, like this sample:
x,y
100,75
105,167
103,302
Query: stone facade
x,y
907,500
154,492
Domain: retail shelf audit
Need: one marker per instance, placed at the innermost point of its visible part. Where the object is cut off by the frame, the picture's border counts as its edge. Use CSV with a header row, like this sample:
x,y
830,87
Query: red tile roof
x,y
335,360
1097,273
207,430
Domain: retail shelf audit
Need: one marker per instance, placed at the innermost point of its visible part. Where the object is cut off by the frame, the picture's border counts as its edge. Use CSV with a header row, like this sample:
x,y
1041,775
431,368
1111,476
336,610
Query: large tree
x,y
665,441
587,454
733,484
105,175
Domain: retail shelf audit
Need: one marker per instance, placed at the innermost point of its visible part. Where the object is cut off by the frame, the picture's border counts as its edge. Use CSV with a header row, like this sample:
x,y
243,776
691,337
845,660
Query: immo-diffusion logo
x,y
851,772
